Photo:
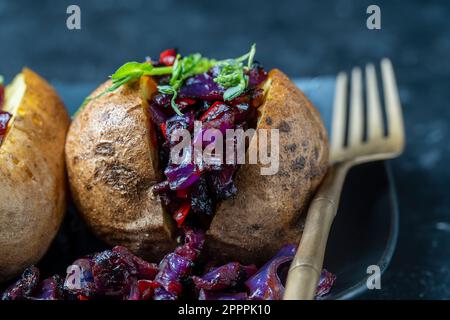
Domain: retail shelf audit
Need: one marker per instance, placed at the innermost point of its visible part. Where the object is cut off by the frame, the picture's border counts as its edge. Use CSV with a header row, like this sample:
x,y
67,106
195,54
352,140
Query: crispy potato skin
x,y
32,177
112,167
267,211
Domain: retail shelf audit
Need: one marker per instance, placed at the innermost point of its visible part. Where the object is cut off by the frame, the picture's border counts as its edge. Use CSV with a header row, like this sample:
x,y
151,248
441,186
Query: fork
x,y
304,272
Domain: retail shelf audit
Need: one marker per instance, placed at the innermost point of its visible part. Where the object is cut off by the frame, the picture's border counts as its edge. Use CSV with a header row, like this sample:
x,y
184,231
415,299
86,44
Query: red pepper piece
x,y
214,112
182,193
181,214
168,57
185,101
147,288
164,130
175,287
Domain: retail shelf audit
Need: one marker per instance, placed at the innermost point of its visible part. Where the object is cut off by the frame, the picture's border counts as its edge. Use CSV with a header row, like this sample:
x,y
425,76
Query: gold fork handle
x,y
305,270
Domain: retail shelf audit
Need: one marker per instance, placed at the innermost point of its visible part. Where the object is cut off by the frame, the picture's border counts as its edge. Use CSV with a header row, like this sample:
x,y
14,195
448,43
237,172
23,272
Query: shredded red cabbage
x,y
118,274
266,284
224,277
24,287
49,289
200,98
326,282
80,280
178,265
5,117
203,87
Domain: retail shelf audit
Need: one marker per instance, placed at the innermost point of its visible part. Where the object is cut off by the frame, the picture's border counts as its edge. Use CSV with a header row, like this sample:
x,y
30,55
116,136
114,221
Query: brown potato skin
x,y
267,211
32,177
111,167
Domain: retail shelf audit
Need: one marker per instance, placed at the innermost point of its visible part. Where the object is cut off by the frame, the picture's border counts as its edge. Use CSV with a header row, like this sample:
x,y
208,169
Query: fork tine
x,y
374,114
392,103
356,109
339,111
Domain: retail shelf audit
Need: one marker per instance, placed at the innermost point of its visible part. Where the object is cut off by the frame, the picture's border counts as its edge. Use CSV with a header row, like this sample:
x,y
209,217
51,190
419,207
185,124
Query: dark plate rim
x,y
385,259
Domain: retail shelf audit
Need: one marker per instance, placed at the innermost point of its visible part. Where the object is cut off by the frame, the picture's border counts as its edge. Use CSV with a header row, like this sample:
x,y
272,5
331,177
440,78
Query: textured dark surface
x,y
303,38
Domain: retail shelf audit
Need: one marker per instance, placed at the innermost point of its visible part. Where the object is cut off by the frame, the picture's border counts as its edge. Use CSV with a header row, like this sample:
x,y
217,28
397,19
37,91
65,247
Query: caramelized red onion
x,y
5,117
178,265
224,277
118,274
24,287
266,283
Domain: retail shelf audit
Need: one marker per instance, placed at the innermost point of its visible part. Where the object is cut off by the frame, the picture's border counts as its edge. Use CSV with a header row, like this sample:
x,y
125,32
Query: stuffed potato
x,y
119,154
32,173
266,212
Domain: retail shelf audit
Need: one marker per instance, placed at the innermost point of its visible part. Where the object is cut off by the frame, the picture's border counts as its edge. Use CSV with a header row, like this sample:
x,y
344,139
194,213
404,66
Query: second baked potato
x,y
32,174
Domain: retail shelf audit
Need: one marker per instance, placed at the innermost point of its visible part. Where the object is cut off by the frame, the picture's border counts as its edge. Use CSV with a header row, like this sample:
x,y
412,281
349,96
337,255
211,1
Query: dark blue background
x,y
303,38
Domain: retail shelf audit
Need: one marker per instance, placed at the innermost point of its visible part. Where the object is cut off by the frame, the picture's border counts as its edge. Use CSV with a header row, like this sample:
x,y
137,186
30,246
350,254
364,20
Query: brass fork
x,y
305,270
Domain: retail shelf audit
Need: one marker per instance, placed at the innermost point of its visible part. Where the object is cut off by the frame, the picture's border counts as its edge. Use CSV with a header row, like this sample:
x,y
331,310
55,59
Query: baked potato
x,y
32,172
266,212
112,166
131,193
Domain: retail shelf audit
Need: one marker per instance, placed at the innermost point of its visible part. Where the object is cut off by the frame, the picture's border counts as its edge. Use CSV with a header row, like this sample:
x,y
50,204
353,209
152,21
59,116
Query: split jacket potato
x,y
113,157
32,171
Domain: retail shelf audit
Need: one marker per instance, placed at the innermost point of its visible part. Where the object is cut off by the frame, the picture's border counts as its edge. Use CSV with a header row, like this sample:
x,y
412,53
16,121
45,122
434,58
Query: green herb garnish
x,y
129,72
184,68
232,75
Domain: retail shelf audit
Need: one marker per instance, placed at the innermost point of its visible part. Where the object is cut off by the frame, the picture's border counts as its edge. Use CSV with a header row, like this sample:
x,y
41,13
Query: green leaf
x,y
187,67
119,82
2,80
176,70
171,90
174,104
166,89
182,69
132,70
251,56
234,92
230,74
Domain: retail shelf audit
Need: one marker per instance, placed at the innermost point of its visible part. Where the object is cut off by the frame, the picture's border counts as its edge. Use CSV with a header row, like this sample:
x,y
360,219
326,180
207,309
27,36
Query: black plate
x,y
364,232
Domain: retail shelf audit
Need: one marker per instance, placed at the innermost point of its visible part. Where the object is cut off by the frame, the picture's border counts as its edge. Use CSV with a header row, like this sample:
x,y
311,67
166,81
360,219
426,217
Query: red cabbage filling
x,y
118,274
5,117
190,191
